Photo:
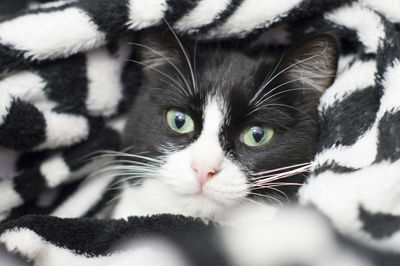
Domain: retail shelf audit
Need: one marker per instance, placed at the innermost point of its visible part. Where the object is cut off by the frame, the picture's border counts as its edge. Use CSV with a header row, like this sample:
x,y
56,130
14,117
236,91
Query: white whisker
x,y
293,65
280,169
253,201
262,87
266,196
131,177
255,187
270,178
162,73
263,99
108,153
184,53
167,59
276,184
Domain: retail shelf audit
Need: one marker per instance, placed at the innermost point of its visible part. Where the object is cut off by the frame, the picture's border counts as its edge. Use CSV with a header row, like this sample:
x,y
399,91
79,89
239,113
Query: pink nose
x,y
203,173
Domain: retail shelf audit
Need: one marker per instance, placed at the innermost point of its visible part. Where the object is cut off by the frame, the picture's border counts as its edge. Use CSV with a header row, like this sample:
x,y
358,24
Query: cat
x,y
216,125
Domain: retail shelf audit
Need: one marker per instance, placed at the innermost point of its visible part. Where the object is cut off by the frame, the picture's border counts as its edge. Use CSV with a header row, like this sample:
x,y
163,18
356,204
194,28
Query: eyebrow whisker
x,y
165,58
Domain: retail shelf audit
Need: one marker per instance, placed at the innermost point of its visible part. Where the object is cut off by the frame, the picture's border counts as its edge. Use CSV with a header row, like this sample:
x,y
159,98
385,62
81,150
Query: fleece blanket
x,y
66,80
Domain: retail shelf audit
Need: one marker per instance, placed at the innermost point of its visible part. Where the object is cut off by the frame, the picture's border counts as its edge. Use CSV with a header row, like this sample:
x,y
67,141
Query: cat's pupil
x,y
258,133
180,119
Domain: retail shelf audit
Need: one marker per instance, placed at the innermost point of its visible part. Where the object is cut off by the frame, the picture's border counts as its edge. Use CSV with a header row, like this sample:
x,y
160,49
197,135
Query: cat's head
x,y
211,120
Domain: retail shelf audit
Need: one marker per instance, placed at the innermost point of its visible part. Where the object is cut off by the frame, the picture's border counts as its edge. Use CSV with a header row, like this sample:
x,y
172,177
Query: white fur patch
x,y
23,240
357,77
363,152
389,8
344,62
204,13
390,100
253,14
84,198
340,196
118,123
27,86
63,130
364,21
360,154
207,148
51,35
143,14
104,75
58,3
55,171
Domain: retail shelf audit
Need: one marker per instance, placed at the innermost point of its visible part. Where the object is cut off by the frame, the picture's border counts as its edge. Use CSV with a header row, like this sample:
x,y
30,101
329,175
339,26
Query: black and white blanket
x,y
65,83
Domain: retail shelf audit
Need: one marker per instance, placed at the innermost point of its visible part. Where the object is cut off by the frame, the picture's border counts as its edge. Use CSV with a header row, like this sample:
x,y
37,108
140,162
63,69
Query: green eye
x,y
179,121
256,135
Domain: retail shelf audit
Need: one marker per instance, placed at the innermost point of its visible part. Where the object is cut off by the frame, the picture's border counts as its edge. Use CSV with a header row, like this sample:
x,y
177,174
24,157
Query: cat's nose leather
x,y
203,173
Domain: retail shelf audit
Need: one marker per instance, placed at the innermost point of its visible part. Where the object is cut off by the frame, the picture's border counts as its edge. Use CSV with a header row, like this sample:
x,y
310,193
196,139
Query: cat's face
x,y
204,134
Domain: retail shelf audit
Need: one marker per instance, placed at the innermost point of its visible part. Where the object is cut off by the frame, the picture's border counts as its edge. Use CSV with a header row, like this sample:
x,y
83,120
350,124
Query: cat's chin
x,y
206,207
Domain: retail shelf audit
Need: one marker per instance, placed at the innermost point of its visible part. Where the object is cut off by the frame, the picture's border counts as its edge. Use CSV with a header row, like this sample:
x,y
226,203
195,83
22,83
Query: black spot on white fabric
x,y
379,225
222,16
345,121
131,80
110,17
388,138
334,167
66,83
23,127
11,58
29,184
32,159
9,7
177,9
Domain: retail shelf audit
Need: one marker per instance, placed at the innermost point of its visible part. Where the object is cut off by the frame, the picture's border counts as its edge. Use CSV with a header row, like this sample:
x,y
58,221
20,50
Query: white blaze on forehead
x,y
207,149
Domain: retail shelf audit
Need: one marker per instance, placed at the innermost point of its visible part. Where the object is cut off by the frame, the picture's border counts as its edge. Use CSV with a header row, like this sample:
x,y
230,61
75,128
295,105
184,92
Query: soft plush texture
x,y
66,83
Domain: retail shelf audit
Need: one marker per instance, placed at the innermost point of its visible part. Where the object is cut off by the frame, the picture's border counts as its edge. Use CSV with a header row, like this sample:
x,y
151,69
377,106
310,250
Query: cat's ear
x,y
313,63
